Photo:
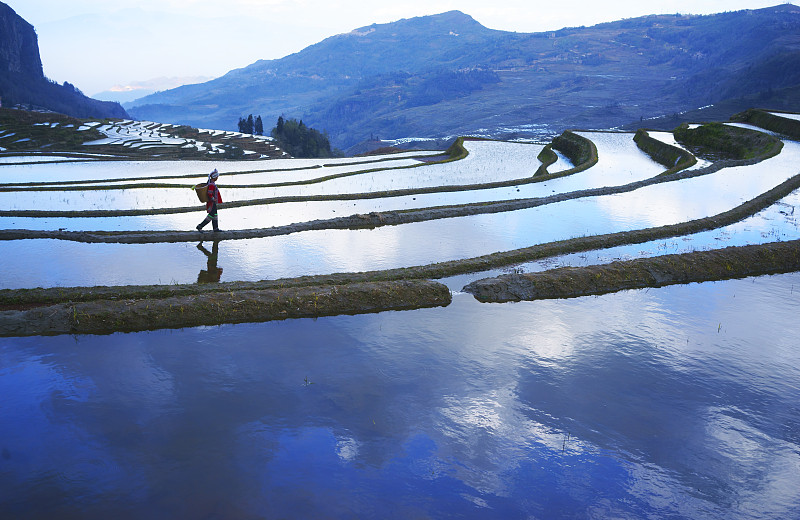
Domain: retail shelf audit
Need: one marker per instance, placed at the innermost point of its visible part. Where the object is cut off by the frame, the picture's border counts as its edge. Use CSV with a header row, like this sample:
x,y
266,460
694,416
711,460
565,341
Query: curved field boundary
x,y
52,161
94,185
578,149
548,158
360,221
307,198
763,119
22,298
659,271
672,157
161,177
730,141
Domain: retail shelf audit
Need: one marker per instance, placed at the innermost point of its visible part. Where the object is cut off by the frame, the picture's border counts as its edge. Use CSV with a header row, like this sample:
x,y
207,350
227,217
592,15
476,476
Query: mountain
x,y
446,74
137,89
22,79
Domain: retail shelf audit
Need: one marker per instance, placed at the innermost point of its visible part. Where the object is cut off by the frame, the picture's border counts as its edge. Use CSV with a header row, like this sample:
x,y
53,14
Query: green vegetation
x,y
32,133
298,140
763,119
548,157
667,155
578,149
249,125
724,141
457,150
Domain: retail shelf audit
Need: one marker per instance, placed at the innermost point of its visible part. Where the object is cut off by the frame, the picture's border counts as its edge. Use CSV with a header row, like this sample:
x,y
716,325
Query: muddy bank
x,y
700,266
105,316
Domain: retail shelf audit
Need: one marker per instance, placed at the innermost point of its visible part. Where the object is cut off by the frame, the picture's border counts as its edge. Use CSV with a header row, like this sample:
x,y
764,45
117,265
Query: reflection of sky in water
x,y
622,162
753,127
30,263
145,169
677,402
248,176
491,161
787,116
669,138
780,221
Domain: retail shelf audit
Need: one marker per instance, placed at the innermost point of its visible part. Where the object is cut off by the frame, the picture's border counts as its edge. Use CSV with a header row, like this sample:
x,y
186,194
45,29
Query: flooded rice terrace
x,y
677,402
30,263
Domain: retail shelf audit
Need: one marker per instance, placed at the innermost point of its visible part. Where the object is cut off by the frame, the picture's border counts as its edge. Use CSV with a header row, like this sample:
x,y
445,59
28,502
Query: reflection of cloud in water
x,y
688,199
347,449
764,469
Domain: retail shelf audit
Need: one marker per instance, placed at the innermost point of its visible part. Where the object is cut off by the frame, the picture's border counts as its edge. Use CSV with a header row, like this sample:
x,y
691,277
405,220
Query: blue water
x,y
680,402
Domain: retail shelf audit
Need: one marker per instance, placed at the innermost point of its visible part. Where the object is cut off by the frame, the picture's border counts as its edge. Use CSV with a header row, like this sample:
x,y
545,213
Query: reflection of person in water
x,y
212,273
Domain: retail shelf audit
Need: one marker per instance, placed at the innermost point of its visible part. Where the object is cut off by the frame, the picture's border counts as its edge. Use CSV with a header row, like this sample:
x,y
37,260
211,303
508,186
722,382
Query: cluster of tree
x,y
299,140
251,126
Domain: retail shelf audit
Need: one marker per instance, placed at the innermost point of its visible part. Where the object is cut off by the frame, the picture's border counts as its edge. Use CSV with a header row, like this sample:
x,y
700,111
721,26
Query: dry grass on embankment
x,y
699,266
105,316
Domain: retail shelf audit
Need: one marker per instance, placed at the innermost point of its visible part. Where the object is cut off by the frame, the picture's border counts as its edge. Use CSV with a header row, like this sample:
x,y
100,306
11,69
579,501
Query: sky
x,y
98,45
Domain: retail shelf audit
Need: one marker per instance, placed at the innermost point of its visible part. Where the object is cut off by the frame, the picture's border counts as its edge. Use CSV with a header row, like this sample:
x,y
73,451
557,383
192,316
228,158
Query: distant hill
x,y
22,79
446,74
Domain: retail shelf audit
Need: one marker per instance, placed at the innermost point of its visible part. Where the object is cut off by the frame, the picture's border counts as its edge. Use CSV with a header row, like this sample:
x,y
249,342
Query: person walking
x,y
214,198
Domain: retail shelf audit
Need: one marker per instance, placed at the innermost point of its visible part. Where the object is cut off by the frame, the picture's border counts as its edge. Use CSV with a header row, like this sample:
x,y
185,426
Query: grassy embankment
x,y
768,121
727,142
672,157
104,316
581,151
659,271
548,157
735,262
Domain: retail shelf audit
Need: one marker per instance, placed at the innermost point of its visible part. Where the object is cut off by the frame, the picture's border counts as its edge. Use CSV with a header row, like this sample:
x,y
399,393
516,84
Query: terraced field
x,y
152,370
401,216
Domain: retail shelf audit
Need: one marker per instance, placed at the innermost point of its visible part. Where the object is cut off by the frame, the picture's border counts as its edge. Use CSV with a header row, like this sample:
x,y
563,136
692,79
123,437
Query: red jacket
x,y
213,195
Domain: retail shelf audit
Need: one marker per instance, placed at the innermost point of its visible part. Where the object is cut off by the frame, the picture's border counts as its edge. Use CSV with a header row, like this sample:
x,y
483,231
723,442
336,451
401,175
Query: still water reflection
x,y
678,402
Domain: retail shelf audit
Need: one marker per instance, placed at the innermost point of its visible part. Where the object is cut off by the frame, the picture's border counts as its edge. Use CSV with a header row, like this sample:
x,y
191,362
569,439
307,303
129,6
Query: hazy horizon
x,y
121,47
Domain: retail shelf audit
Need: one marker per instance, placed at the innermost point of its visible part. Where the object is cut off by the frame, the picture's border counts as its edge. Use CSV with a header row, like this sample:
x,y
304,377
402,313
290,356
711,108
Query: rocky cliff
x,y
19,49
22,79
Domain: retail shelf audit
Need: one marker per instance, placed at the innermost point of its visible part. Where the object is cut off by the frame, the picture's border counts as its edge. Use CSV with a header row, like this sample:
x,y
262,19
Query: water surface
x,y
678,402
